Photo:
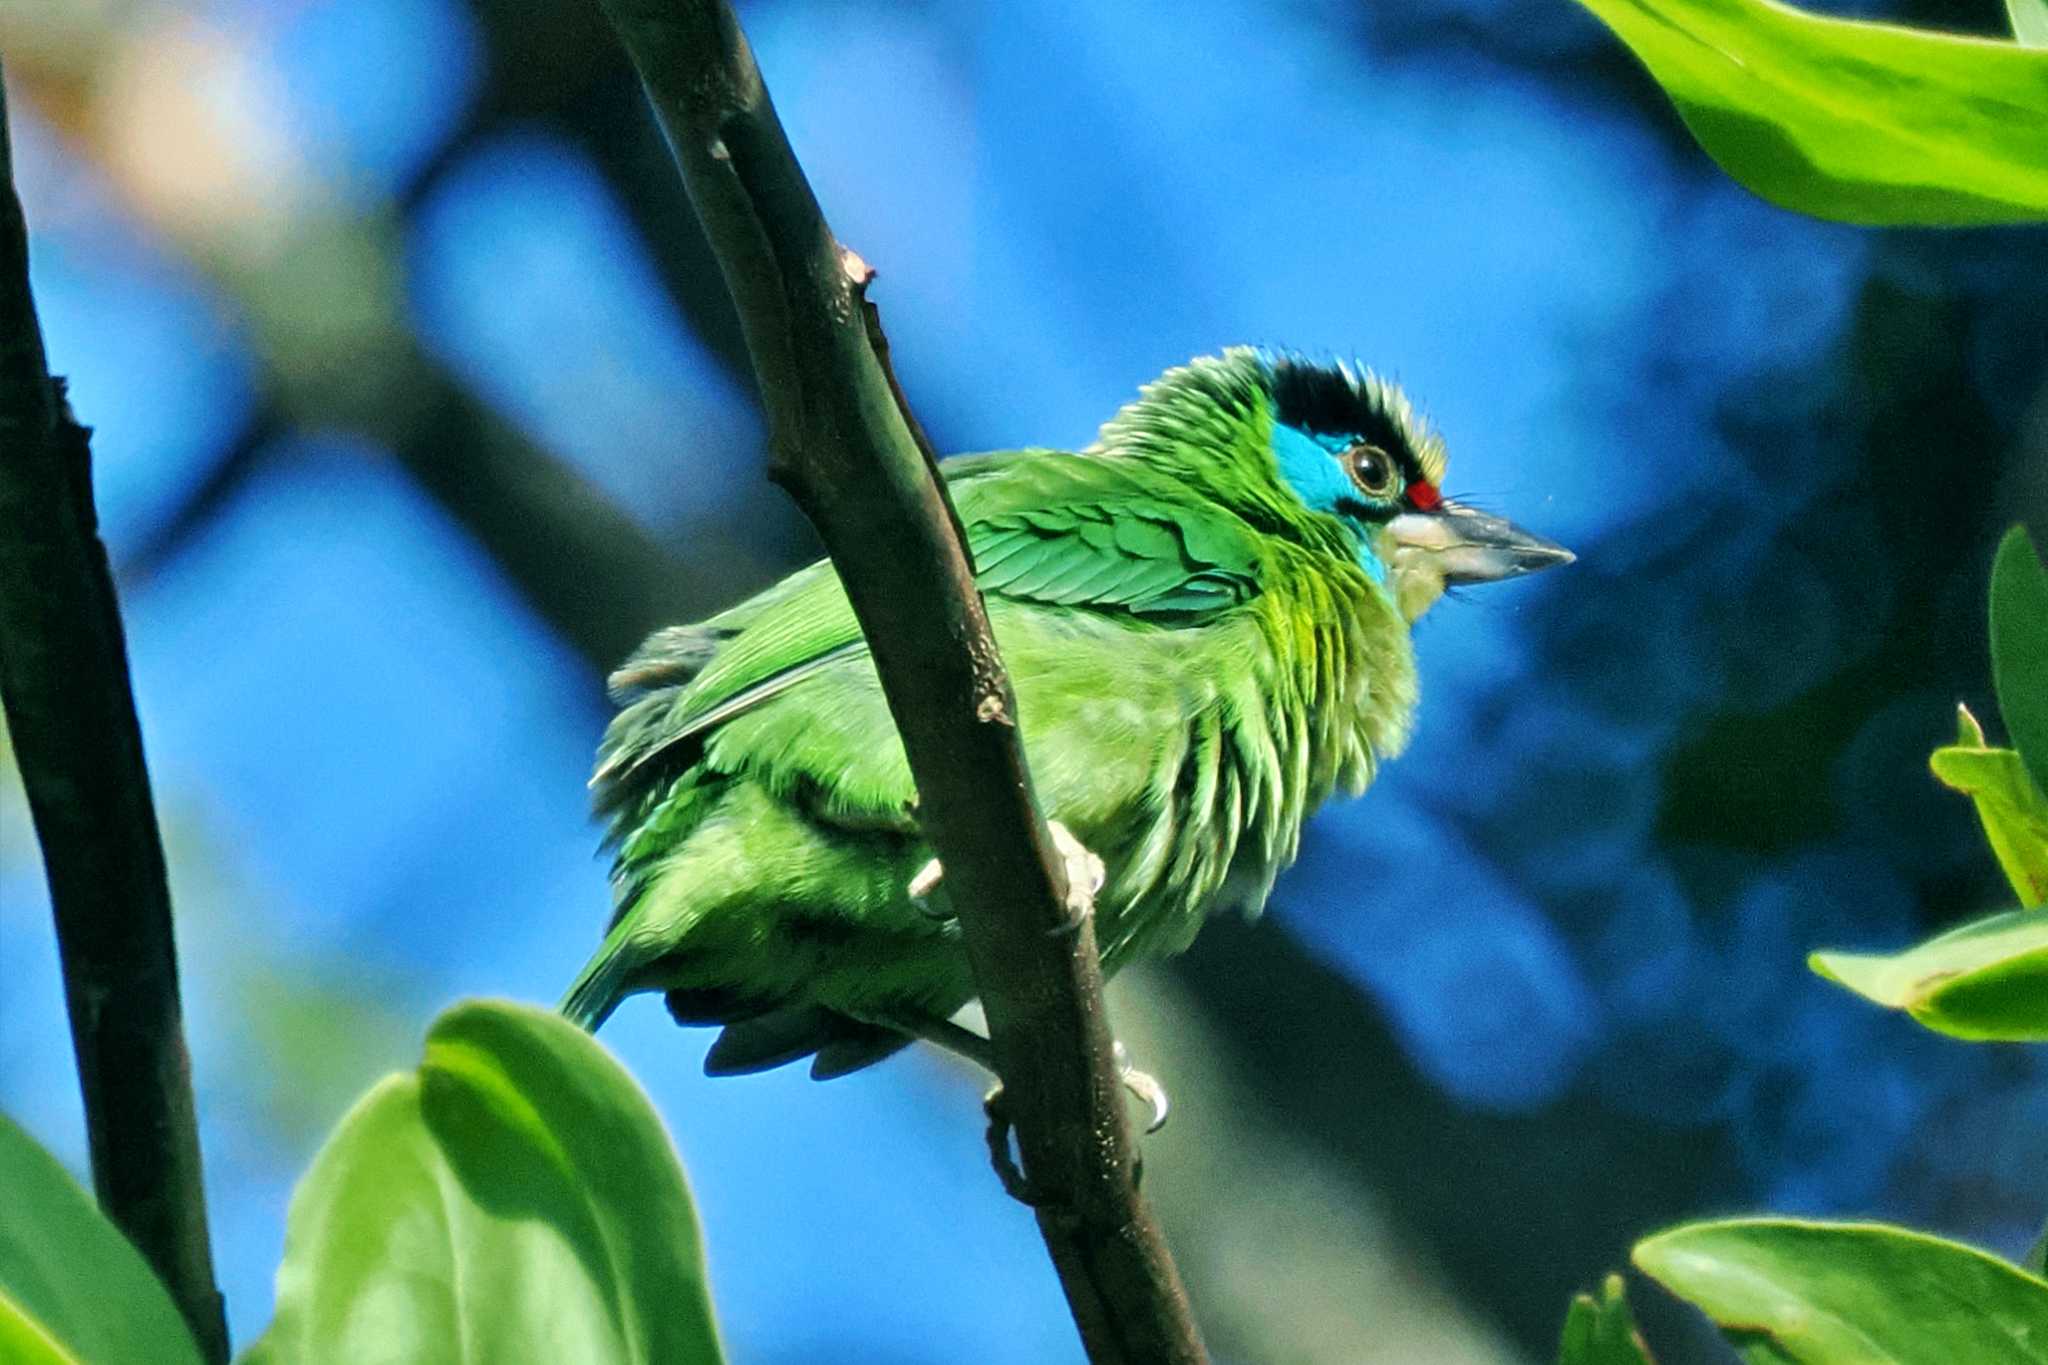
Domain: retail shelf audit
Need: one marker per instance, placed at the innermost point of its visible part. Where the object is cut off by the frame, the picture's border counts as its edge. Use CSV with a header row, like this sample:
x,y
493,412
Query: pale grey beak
x,y
1465,546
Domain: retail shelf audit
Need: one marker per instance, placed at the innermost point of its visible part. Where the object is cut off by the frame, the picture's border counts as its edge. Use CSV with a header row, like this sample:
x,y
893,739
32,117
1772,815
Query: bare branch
x,y
842,445
71,712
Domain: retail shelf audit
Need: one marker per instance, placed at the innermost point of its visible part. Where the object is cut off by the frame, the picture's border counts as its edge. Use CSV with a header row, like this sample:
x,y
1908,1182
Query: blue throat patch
x,y
1309,465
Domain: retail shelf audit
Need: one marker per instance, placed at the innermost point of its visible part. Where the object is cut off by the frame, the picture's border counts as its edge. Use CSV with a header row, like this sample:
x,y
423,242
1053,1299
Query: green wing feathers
x,y
677,683
1062,530
752,777
1133,556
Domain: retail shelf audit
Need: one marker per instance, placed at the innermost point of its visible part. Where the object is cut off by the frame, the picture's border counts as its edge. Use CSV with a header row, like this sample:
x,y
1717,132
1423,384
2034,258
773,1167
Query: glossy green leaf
x,y
1986,981
2010,806
515,1199
2019,639
1811,1293
70,1276
2029,21
1602,1331
1854,121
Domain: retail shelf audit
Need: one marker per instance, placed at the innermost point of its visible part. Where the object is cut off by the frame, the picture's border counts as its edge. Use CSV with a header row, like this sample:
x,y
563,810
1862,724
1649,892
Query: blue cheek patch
x,y
1310,468
1309,465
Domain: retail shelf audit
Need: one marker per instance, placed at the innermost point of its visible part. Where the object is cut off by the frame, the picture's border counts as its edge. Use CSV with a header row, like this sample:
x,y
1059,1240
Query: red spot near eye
x,y
1424,495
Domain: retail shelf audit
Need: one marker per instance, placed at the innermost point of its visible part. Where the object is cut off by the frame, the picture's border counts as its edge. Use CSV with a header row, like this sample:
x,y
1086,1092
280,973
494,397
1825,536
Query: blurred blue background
x,y
417,403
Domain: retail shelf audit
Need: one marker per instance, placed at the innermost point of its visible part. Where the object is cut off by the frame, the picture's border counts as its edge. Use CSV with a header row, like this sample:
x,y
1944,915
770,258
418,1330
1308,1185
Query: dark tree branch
x,y
842,445
70,710
532,513
528,509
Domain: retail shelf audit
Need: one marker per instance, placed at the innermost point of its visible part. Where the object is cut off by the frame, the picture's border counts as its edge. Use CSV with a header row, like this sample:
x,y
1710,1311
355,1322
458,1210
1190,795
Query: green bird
x,y
1206,617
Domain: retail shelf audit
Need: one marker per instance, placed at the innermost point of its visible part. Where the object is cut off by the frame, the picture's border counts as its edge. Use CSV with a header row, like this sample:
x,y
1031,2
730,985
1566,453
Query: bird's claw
x,y
1085,877
1145,1088
999,1129
923,884
1018,1186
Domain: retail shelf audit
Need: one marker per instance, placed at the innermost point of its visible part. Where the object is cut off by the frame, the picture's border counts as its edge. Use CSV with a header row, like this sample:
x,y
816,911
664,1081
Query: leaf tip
x,y
1969,732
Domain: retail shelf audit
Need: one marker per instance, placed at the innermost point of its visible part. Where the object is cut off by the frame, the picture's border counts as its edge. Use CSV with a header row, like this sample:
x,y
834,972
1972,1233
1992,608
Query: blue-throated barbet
x,y
1206,620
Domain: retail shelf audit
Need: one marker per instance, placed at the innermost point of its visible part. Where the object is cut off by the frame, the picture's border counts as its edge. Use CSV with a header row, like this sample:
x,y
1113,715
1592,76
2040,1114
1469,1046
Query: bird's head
x,y
1349,445
1331,452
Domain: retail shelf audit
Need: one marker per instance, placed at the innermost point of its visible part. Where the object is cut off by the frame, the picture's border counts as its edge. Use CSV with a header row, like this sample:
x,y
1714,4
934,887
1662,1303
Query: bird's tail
x,y
600,986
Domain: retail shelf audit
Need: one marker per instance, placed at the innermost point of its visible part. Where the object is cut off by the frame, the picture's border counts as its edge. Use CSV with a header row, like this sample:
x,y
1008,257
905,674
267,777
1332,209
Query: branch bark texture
x,y
844,447
71,715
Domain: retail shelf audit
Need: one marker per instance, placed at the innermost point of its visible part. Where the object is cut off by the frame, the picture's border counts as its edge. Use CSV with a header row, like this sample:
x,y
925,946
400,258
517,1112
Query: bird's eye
x,y
1372,469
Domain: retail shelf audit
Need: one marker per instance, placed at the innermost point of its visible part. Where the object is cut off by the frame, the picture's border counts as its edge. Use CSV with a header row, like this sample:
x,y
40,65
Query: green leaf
x,y
1602,1331
2019,646
1986,981
68,1275
24,1341
515,1199
1812,1293
2029,21
1860,122
2009,805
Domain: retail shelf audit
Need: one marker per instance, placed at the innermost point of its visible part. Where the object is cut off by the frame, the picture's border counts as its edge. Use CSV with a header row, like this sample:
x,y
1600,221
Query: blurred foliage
x,y
1858,122
322,1036
1301,1230
2019,649
1602,1331
73,1291
1809,1293
1988,980
515,1199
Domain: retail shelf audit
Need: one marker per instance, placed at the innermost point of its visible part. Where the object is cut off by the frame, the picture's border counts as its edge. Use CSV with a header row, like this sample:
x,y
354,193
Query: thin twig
x,y
842,445
71,712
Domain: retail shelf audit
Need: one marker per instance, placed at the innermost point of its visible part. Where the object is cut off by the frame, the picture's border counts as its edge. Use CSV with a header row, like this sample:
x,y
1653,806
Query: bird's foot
x,y
1085,876
995,1105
